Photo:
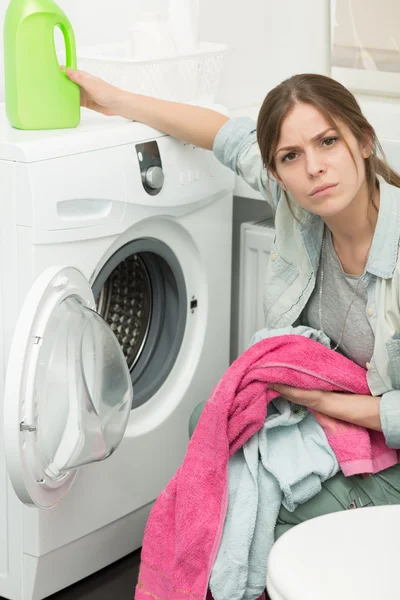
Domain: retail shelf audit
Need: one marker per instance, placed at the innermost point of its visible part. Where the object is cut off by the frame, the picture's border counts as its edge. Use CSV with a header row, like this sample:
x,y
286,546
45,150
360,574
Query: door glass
x,y
83,391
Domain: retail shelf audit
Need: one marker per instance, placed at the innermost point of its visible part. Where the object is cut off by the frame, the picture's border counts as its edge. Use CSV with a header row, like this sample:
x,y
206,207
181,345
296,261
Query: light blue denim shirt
x,y
294,259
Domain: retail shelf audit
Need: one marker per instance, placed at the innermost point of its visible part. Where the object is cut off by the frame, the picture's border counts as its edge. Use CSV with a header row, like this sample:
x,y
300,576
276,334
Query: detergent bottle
x,y
38,94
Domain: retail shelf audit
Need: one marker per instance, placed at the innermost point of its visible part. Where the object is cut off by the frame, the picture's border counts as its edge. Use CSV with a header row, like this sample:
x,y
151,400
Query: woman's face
x,y
311,155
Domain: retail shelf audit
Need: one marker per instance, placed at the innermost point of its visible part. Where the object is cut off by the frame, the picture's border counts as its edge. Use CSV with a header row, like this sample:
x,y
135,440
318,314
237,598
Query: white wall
x,y
268,39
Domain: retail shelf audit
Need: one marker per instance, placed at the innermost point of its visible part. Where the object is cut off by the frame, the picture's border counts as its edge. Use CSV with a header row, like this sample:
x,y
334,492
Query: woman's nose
x,y
315,166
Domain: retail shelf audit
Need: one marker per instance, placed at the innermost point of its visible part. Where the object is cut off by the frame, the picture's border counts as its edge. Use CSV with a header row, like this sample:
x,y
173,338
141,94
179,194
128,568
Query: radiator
x,y
256,238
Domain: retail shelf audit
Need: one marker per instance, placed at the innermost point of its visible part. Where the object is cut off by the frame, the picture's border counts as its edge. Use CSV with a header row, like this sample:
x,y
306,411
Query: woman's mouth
x,y
323,190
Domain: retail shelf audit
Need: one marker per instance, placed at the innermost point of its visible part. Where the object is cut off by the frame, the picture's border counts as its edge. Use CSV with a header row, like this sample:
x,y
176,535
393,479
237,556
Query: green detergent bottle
x,y
38,94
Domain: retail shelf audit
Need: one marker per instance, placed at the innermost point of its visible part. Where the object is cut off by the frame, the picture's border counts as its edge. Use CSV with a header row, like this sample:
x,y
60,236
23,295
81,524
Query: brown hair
x,y
336,104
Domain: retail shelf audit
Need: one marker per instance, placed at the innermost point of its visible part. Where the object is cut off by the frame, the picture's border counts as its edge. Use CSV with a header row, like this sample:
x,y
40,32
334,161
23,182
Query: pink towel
x,y
185,525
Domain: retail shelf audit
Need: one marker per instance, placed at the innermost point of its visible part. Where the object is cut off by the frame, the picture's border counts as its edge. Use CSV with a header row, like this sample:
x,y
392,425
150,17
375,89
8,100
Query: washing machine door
x,y
68,392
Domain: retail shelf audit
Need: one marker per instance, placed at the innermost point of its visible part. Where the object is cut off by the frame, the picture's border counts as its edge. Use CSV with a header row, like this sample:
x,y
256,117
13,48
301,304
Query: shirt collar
x,y
382,258
385,244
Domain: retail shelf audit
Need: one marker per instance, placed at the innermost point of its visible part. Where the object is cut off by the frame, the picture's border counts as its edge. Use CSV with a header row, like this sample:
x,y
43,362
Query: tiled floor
x,y
116,581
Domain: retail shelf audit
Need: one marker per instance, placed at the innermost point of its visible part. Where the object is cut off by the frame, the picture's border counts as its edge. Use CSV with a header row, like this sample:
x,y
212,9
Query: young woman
x,y
334,265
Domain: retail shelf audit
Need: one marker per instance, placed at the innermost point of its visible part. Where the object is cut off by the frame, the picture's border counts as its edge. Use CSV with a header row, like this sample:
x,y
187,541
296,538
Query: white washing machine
x,y
118,220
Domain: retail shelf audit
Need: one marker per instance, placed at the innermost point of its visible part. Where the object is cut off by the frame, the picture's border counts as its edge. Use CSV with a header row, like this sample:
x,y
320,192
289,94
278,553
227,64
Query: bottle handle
x,y
70,47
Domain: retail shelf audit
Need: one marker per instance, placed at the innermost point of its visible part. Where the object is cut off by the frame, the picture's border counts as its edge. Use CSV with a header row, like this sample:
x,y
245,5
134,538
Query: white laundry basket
x,y
180,78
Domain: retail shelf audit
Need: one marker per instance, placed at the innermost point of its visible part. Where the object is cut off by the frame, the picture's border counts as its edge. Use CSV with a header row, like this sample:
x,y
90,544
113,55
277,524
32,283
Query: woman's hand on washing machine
x,y
194,124
96,94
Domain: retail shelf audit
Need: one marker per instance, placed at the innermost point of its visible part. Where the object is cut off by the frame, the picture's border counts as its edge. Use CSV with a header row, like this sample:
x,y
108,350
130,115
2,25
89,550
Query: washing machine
x,y
115,262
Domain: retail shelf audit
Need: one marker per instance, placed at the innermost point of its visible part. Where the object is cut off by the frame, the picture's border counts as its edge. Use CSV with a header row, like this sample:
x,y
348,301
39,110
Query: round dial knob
x,y
154,177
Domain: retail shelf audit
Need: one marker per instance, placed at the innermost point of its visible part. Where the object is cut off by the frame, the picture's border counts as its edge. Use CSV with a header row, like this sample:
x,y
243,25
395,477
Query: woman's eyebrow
x,y
313,139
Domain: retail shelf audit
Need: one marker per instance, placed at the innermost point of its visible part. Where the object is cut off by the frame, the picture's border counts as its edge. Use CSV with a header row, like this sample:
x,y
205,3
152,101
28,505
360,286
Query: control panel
x,y
151,170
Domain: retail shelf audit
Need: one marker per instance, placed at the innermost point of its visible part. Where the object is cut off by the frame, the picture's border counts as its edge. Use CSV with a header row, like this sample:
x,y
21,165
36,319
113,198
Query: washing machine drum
x,y
141,293
125,302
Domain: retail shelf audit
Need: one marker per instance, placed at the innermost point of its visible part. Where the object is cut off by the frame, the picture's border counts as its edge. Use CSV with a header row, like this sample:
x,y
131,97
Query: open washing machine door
x,y
68,391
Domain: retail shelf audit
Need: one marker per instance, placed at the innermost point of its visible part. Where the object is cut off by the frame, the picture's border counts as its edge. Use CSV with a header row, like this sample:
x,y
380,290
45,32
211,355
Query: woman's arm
x,y
353,408
235,146
192,124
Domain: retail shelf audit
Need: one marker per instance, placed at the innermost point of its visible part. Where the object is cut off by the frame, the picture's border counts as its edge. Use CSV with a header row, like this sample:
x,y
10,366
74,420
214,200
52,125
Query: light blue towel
x,y
283,463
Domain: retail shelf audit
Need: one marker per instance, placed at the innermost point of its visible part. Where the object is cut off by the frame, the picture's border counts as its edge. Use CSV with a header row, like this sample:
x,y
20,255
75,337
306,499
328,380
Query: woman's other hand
x,y
358,409
309,398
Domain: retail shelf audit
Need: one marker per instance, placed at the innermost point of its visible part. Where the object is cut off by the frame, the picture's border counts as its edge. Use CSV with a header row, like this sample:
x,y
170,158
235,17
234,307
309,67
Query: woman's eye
x,y
329,141
289,157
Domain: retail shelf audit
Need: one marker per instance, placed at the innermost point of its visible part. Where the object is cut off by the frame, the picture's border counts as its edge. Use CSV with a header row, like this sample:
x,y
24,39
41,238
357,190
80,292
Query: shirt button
x,y
370,312
368,365
273,256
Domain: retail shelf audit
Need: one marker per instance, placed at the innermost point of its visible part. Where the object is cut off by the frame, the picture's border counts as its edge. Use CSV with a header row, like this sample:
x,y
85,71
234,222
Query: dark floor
x,y
116,581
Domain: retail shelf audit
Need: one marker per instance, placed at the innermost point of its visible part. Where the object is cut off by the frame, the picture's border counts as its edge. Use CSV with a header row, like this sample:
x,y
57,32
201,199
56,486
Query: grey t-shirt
x,y
338,289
